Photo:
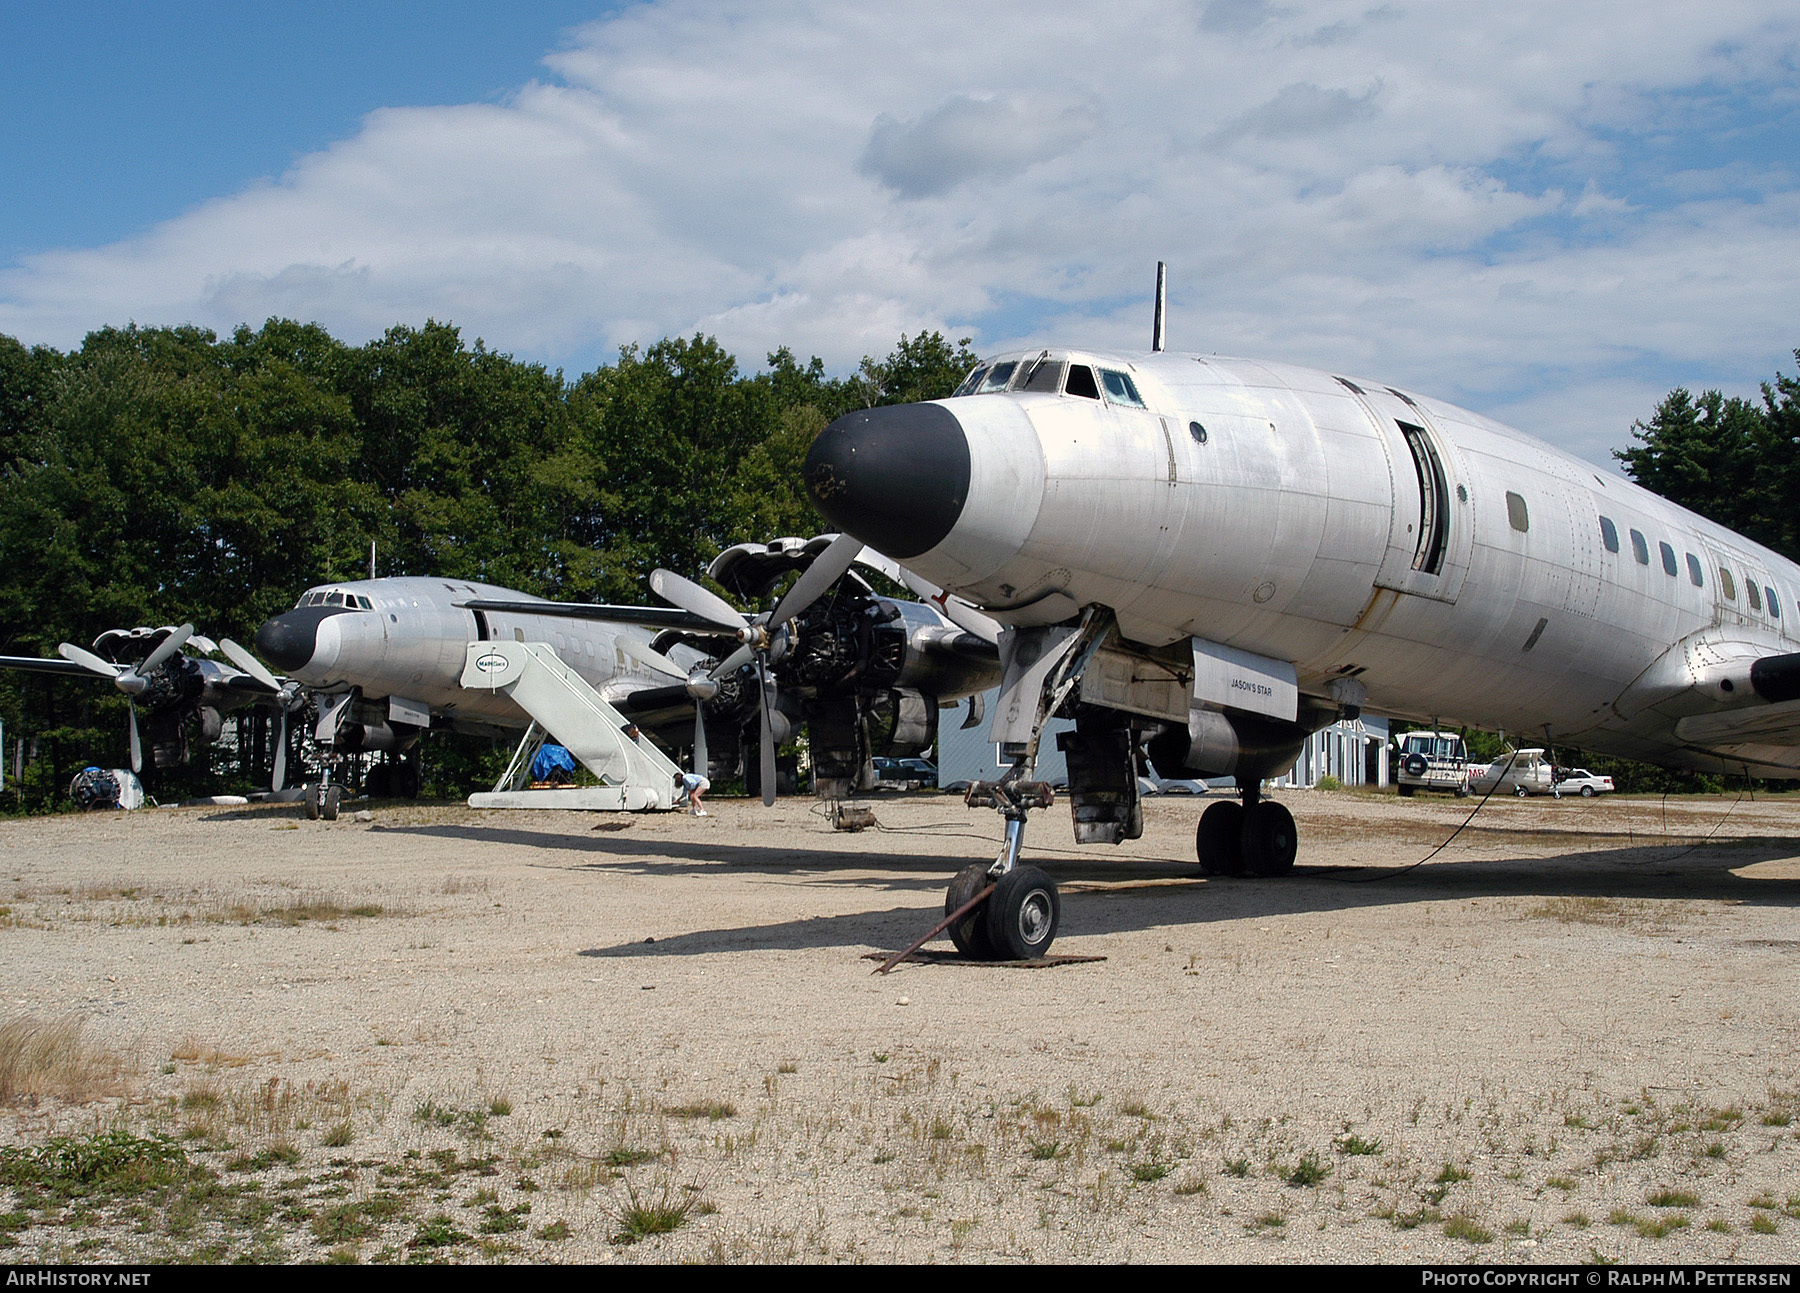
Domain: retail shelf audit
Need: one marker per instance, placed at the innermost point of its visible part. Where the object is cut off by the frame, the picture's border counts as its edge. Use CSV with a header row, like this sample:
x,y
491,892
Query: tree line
x,y
162,475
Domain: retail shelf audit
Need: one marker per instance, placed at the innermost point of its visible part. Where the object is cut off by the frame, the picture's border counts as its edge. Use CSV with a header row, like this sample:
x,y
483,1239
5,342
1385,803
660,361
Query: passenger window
x,y
972,382
1774,606
1119,389
1728,584
1081,382
1668,556
1516,515
1694,577
1750,592
1640,549
1045,375
1609,534
997,377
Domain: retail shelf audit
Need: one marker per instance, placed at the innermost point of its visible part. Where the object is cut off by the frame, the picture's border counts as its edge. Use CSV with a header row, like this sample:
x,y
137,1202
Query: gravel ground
x,y
443,1034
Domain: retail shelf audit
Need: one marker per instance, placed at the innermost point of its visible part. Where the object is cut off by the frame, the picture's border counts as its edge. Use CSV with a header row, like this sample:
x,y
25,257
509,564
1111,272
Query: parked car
x,y
1579,781
905,774
1524,772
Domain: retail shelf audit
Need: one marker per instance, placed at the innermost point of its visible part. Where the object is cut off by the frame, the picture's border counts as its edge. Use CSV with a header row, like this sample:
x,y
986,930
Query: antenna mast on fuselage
x,y
1158,336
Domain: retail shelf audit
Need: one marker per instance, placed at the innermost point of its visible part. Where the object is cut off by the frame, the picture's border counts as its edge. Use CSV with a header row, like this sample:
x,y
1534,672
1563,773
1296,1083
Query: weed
x,y
1718,1225
114,1162
1148,1172
1580,1220
437,1231
50,1059
786,1067
1763,1224
1672,1199
1309,1171
500,1107
1191,1185
497,1220
711,1110
1564,1183
1237,1167
555,1232
625,1156
1045,1150
339,1135
1355,1146
639,1218
1451,1175
1464,1226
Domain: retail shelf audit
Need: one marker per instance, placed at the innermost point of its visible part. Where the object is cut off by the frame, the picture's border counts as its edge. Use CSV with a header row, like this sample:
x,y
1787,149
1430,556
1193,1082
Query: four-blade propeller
x,y
132,681
762,639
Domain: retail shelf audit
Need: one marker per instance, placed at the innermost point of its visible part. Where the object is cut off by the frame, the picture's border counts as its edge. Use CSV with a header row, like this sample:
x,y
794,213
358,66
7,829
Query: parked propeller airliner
x,y
868,673
1205,559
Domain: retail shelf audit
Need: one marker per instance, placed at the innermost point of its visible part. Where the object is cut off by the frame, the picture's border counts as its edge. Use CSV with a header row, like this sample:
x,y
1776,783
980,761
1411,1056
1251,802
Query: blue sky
x,y
1550,212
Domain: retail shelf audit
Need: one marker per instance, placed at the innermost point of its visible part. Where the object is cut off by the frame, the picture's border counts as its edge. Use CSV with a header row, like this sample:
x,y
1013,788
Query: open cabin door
x,y
1431,531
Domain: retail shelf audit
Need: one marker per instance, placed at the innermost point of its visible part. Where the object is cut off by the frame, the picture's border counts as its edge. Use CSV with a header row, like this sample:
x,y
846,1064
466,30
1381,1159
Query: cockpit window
x,y
1120,390
972,382
997,377
1043,375
1081,382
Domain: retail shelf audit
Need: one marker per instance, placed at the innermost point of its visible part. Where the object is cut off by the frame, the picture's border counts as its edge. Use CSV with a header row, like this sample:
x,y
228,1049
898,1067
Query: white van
x,y
1431,761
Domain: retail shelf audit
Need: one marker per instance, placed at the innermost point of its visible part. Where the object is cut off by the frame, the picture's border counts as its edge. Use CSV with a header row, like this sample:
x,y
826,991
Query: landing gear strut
x,y
1040,668
1255,838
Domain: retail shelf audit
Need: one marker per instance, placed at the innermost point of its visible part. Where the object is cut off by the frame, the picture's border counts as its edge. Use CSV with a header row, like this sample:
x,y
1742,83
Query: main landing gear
x,y
1254,838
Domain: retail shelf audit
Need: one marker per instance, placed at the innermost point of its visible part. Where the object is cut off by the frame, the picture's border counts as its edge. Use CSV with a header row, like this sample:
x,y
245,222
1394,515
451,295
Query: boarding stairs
x,y
635,776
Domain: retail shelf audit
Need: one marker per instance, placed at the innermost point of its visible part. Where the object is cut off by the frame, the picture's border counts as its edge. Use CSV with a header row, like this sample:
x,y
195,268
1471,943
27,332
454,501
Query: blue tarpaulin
x,y
552,763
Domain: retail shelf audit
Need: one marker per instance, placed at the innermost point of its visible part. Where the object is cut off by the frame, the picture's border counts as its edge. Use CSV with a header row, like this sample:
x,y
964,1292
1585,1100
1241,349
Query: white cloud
x,y
1380,189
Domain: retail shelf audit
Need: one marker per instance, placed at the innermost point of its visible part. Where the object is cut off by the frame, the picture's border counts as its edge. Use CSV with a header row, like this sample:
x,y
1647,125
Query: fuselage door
x,y
1431,532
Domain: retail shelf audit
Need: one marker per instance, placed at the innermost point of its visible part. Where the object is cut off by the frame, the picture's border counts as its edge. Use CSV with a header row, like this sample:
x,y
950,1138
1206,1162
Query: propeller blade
x,y
700,758
954,609
735,661
137,747
826,569
279,776
88,660
650,657
170,645
768,741
696,600
205,645
248,663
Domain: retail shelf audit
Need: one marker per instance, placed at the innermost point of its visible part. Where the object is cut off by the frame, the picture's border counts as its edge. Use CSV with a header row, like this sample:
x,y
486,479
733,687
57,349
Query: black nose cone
x,y
894,477
288,640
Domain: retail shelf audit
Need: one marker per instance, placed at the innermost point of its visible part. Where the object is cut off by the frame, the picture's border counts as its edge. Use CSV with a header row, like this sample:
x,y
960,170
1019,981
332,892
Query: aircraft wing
x,y
660,617
37,664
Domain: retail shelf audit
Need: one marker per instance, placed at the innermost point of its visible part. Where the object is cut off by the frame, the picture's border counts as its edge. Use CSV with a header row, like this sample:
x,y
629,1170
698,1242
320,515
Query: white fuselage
x,y
411,642
1456,568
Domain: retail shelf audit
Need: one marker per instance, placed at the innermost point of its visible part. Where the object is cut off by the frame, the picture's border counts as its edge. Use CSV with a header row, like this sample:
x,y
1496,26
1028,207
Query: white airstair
x,y
634,775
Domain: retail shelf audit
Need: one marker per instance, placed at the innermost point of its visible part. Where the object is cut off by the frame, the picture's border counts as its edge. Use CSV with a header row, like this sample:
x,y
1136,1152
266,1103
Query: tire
x,y
1023,914
1406,792
329,808
1520,791
1217,839
1270,840
970,933
310,795
1587,792
379,784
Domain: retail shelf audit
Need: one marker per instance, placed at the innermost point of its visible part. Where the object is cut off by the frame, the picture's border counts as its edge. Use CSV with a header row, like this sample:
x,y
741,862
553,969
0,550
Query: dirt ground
x,y
443,1034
